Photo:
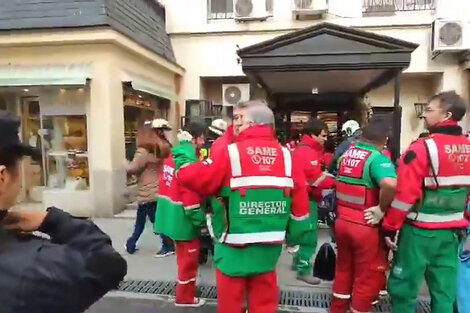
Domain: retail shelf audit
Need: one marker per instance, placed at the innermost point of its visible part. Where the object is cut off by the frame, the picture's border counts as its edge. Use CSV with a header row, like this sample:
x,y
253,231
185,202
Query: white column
x,y
106,140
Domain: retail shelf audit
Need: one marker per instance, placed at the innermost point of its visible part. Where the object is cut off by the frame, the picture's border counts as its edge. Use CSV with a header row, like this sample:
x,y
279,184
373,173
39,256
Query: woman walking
x,y
147,164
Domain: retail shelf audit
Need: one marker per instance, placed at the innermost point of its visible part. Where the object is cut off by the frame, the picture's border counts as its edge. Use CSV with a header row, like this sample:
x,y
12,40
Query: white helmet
x,y
218,126
161,124
350,127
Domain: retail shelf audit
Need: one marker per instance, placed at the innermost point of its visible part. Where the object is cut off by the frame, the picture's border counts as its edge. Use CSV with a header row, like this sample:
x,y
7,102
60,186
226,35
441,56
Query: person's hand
x,y
391,243
292,249
24,222
184,154
373,215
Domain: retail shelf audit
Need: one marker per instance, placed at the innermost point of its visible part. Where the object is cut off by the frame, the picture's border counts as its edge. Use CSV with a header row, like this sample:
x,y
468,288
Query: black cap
x,y
9,139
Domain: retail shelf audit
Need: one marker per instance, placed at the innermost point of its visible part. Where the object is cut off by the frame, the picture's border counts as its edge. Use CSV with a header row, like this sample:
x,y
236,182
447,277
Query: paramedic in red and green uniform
x,y
429,209
181,217
263,196
309,155
366,182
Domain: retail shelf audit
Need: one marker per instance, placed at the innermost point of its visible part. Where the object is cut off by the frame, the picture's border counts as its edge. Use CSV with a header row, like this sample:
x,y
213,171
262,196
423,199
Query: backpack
x,y
325,263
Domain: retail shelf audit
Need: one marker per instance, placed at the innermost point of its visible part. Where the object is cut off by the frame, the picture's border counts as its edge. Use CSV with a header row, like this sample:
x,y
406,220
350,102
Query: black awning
x,y
327,57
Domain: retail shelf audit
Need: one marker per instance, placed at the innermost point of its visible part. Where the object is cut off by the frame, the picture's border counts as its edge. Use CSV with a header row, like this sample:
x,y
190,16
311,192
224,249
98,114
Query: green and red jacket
x,y
261,194
361,168
433,182
179,214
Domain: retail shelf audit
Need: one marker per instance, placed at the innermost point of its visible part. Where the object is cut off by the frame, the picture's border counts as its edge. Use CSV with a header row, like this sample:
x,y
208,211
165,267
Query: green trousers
x,y
424,254
302,259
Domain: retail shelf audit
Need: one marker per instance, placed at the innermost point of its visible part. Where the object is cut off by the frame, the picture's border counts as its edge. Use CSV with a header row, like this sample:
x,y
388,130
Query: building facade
x,y
206,35
83,76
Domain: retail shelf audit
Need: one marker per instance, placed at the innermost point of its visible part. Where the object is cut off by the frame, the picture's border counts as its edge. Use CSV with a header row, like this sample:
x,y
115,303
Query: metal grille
x,y
397,5
287,298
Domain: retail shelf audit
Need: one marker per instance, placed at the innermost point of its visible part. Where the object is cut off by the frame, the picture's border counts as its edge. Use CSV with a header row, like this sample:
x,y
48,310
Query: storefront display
x,y
66,156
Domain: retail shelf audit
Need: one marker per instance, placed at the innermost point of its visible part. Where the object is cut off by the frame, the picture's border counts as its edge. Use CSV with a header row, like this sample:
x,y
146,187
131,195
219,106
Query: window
x,y
270,6
392,6
66,146
220,9
223,9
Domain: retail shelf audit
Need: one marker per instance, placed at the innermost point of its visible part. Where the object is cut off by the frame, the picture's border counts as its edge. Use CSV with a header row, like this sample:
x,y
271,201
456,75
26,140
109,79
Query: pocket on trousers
x,y
427,233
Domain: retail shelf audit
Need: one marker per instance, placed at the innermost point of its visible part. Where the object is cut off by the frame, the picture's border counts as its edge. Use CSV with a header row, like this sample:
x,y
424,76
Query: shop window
x,y
139,108
30,126
66,155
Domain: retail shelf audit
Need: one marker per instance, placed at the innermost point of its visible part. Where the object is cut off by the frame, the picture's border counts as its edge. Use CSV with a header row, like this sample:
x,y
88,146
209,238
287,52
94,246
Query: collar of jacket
x,y
229,133
257,131
447,128
312,143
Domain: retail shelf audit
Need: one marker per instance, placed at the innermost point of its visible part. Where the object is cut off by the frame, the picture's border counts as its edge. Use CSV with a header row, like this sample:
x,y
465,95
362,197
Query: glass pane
x,y
269,6
218,6
229,6
66,146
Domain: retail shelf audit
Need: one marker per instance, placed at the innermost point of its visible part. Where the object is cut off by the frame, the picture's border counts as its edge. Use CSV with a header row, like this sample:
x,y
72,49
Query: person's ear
x,y
3,170
449,116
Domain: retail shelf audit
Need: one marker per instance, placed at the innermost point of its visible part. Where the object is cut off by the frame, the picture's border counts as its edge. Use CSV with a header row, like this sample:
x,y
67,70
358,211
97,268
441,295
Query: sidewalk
x,y
143,265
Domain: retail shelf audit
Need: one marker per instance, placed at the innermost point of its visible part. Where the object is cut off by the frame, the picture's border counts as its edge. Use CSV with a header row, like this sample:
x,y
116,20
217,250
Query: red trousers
x,y
187,258
360,267
262,291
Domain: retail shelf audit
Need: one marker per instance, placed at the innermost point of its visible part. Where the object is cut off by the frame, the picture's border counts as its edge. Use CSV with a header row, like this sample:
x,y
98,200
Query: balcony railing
x,y
392,6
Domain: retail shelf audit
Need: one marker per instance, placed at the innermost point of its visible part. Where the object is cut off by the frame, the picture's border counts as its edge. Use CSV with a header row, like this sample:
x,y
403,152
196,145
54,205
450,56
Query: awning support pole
x,y
396,126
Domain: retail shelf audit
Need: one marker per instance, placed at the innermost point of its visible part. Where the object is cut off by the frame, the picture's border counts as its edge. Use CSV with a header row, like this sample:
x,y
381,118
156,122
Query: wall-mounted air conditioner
x,y
234,93
309,7
250,10
450,35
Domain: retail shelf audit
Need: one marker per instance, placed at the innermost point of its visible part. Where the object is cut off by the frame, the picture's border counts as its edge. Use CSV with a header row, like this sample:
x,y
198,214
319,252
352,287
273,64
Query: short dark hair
x,y
9,157
195,129
452,102
314,127
376,131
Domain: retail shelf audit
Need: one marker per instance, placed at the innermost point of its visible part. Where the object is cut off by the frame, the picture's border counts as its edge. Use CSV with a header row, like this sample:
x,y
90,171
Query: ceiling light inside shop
x,y
140,96
315,91
80,89
26,90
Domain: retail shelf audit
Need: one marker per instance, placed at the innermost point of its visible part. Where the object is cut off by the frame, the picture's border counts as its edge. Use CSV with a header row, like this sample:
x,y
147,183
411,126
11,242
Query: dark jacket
x,y
341,149
65,274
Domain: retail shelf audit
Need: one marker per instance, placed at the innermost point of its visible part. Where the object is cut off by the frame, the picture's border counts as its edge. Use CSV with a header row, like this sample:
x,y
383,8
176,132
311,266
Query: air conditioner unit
x,y
450,35
235,93
309,7
250,10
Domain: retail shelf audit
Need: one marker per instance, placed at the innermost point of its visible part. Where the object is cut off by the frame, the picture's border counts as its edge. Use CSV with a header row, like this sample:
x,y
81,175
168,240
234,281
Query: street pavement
x,y
113,304
144,266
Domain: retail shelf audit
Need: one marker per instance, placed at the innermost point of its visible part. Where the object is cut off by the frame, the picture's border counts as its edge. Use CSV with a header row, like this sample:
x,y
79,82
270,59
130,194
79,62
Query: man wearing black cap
x,y
67,273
